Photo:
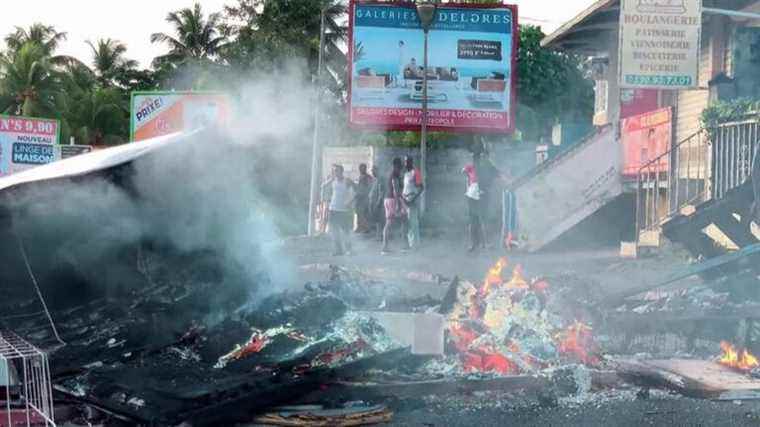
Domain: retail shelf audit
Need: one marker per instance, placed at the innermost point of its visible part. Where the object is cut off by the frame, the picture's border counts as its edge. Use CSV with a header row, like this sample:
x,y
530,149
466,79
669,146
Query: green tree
x,y
551,86
196,37
29,83
45,36
109,61
266,34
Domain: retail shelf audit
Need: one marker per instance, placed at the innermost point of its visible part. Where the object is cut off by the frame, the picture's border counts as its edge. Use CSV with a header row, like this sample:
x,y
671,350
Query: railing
x,y
734,151
671,181
705,166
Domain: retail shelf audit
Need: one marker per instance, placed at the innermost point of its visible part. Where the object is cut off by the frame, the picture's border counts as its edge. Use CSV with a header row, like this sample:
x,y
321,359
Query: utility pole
x,y
426,13
316,149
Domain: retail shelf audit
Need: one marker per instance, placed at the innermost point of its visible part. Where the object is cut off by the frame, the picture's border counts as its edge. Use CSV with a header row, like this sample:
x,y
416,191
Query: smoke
x,y
233,192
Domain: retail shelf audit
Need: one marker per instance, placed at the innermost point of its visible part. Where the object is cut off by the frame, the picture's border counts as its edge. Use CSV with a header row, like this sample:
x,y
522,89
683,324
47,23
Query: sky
x,y
133,21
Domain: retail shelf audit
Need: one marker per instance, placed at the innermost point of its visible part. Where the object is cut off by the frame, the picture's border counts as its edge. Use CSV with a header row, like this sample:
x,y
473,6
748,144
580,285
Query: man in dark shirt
x,y
395,210
361,207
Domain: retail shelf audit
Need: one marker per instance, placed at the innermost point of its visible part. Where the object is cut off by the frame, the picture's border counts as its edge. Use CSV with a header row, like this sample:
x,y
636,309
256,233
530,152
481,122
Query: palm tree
x,y
197,38
29,83
109,61
98,116
46,36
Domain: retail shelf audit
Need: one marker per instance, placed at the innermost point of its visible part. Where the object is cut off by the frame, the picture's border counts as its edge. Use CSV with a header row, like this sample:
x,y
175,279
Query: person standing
x,y
362,200
376,206
395,211
401,63
412,190
472,198
487,175
340,213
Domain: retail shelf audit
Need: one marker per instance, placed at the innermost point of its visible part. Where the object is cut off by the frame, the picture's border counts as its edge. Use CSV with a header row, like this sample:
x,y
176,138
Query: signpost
x,y
660,43
161,113
470,73
26,142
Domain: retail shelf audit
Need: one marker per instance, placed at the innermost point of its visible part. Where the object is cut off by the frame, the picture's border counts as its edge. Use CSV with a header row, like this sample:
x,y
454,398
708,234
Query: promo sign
x,y
471,62
660,43
161,113
646,137
26,142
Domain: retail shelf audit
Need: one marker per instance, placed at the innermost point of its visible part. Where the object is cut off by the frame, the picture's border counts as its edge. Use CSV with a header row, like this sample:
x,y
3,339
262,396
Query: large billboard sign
x,y
471,67
660,43
646,137
26,142
161,113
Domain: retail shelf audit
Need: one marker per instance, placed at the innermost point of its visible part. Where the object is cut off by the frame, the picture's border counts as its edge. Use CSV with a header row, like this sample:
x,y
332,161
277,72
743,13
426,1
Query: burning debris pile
x,y
504,326
741,360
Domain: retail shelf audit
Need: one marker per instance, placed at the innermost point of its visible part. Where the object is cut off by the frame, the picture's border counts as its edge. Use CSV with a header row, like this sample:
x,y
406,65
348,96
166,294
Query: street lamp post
x,y
426,12
316,146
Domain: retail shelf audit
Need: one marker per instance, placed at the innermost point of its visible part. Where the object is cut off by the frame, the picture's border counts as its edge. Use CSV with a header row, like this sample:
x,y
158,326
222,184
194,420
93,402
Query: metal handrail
x,y
660,190
704,166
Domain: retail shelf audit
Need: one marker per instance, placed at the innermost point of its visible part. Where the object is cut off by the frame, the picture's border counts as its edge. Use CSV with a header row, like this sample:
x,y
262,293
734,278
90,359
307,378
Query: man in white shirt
x,y
412,190
340,216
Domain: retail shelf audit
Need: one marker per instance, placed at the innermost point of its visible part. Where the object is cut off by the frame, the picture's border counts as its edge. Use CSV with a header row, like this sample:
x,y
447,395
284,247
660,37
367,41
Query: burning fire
x,y
501,326
258,341
577,342
742,360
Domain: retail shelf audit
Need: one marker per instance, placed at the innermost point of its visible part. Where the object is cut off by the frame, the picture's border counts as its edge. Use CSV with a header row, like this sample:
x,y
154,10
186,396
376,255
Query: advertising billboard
x,y
161,113
26,142
471,64
644,138
660,43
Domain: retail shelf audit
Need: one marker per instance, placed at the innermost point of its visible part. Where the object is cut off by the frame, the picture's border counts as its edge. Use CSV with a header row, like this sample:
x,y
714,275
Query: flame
x,y
518,280
577,342
742,360
493,277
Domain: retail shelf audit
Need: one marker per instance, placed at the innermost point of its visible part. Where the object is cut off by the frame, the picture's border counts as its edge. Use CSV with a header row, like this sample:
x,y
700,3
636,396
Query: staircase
x,y
699,193
563,191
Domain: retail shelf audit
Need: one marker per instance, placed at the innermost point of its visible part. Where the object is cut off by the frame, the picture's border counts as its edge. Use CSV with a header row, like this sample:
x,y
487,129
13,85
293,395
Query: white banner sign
x,y
659,43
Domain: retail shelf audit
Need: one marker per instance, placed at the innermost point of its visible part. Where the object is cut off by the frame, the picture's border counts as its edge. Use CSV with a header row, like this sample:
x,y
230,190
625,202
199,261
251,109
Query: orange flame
x,y
577,342
518,280
742,360
493,277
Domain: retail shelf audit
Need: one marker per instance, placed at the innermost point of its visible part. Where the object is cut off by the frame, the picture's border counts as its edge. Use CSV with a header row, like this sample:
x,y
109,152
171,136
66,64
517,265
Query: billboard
x,y
471,64
644,138
26,142
660,43
161,113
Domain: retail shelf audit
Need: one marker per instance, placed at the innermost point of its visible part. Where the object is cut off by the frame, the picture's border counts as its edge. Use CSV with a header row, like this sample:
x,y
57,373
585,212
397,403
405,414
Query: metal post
x,y
316,146
423,130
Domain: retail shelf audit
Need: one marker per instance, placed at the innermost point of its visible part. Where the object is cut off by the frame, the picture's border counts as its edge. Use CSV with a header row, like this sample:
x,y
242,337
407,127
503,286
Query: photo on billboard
x,y
470,73
155,114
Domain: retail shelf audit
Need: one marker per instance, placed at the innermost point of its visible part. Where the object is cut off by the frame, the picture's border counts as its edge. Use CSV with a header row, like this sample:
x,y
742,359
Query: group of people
x,y
379,205
382,205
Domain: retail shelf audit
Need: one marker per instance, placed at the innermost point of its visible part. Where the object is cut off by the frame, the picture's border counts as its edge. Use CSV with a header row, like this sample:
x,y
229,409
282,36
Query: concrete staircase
x,y
563,191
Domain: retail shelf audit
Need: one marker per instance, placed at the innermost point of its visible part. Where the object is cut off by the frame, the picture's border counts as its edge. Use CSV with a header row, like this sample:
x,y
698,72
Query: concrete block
x,y
423,332
629,250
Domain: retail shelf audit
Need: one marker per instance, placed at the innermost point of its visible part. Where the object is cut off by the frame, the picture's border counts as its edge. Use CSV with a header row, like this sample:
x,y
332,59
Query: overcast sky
x,y
133,21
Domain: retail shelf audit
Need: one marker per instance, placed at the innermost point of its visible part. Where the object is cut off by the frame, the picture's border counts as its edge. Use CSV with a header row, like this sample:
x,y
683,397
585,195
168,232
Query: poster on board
x,y
161,113
471,62
26,142
645,137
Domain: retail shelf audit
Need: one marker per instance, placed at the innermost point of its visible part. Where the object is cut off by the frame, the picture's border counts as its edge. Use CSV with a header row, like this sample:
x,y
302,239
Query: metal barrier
x,y
702,167
25,376
671,181
734,149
